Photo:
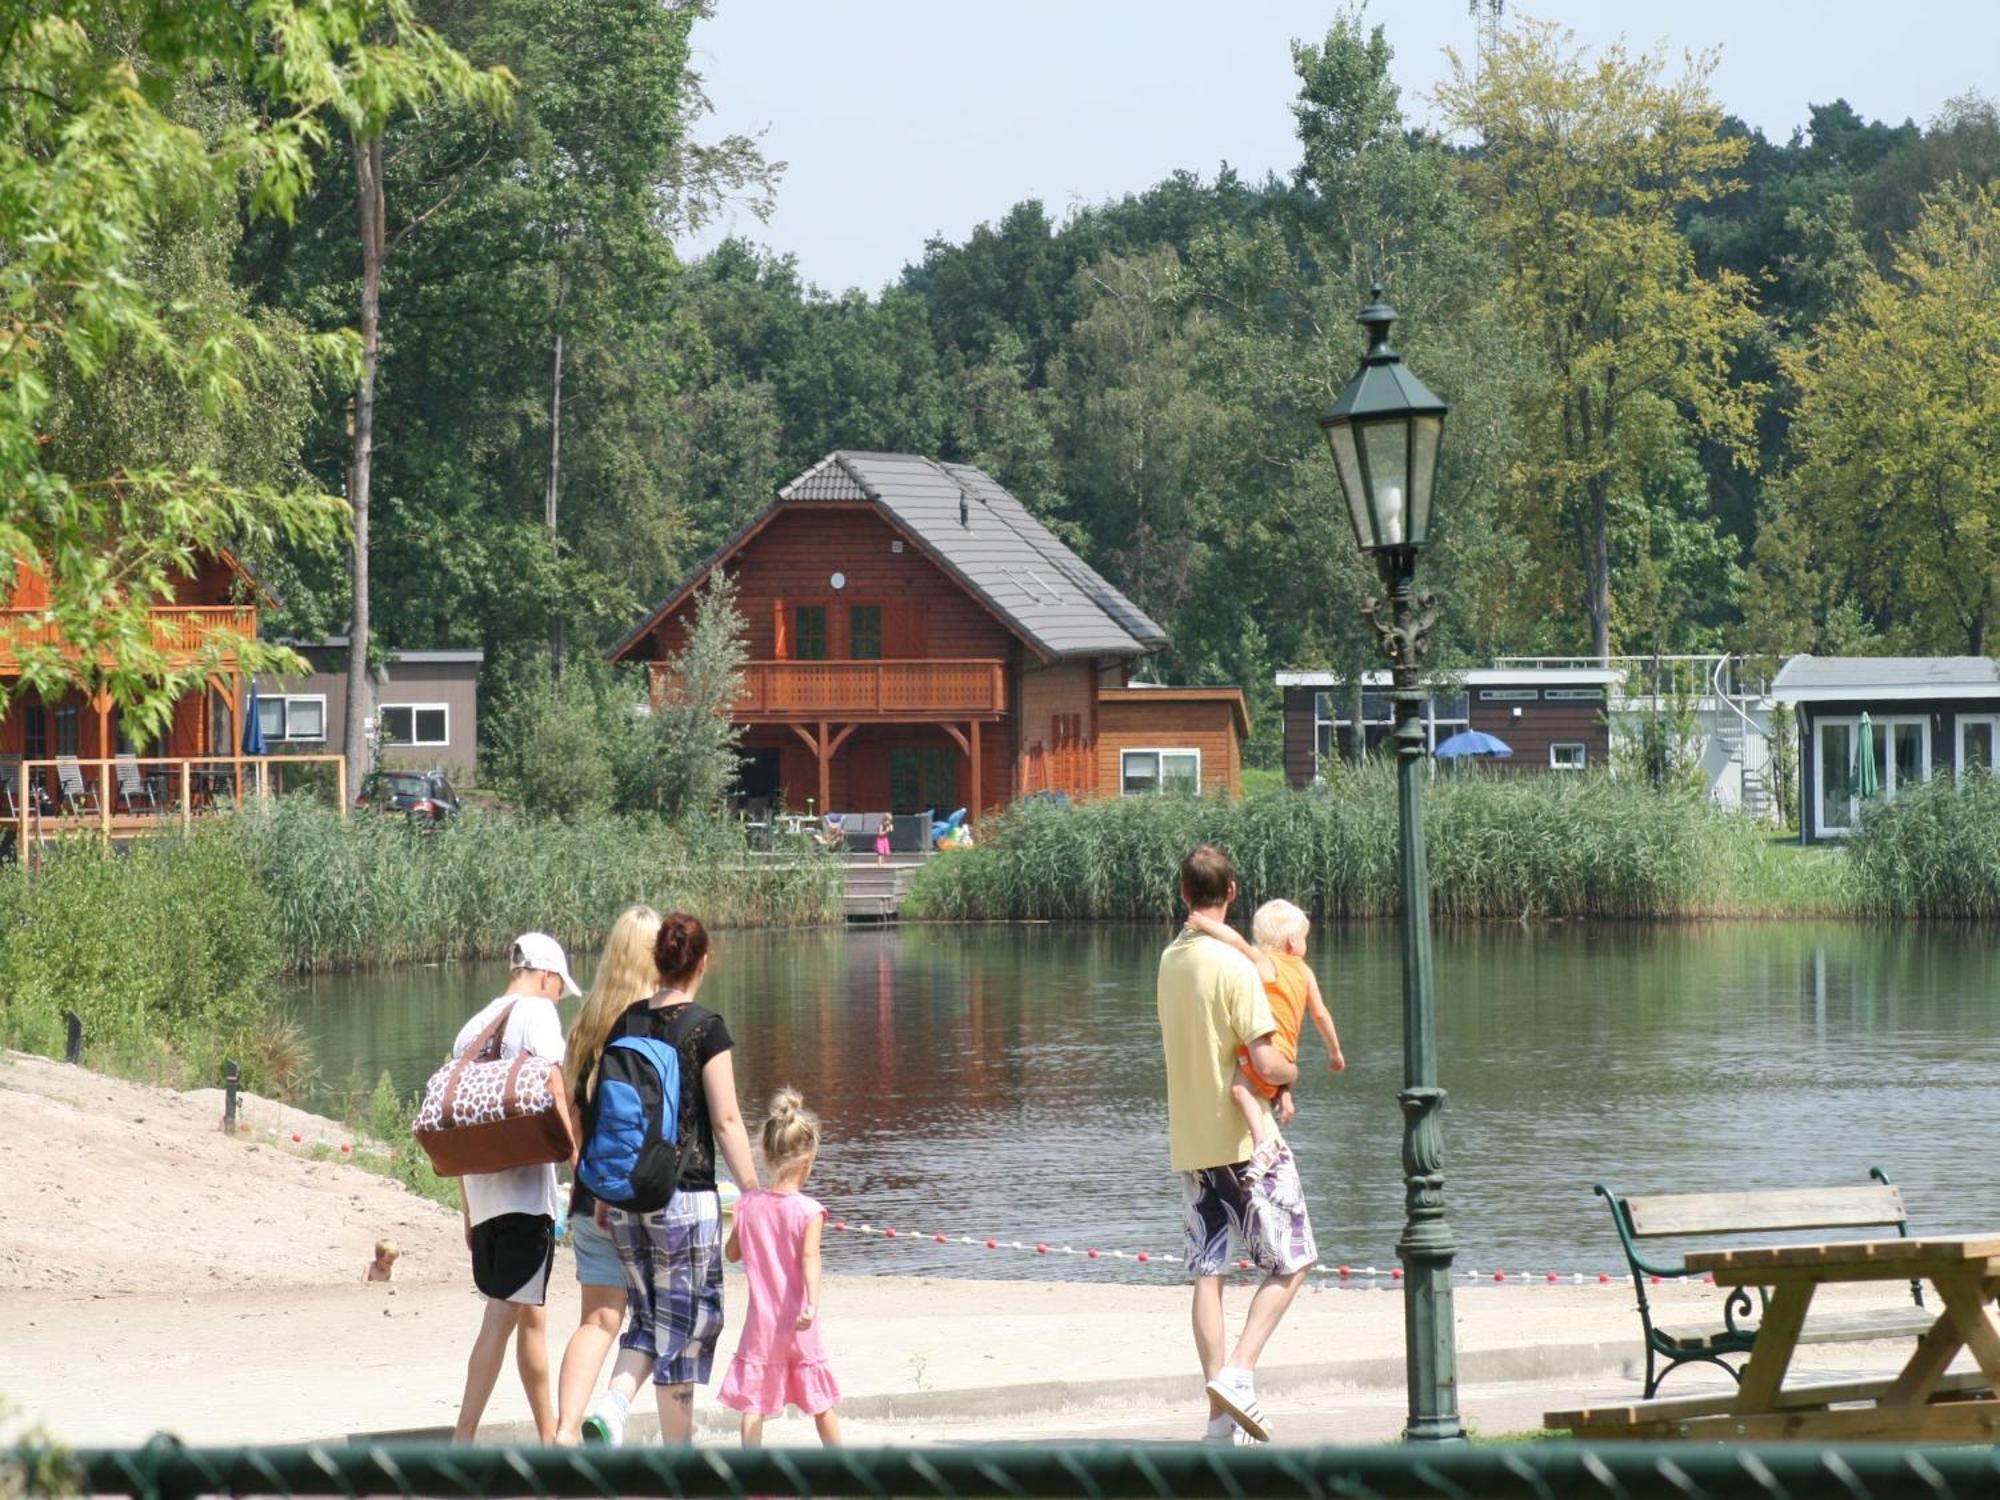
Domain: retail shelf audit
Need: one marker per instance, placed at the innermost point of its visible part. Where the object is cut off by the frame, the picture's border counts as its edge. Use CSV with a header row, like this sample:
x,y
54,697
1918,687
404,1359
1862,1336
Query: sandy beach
x,y
159,1275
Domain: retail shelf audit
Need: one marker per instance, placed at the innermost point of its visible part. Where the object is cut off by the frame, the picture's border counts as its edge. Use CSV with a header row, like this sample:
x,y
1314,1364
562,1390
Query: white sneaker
x,y
1235,1391
604,1423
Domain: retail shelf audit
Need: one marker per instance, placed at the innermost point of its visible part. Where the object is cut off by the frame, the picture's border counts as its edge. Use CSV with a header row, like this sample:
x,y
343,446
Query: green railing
x,y
1533,1471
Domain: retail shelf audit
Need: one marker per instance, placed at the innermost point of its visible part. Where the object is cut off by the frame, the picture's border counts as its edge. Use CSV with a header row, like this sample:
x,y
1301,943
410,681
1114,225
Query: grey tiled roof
x,y
1004,555
981,535
1805,677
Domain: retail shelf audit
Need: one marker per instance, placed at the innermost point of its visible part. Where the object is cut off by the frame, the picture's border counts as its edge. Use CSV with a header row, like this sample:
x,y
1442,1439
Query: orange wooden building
x,y
218,598
919,641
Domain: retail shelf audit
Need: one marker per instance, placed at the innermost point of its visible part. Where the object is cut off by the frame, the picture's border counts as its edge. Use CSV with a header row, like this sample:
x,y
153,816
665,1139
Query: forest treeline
x,y
1709,389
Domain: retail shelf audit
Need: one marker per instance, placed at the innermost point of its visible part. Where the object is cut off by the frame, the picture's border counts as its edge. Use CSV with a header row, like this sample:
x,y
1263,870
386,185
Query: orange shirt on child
x,y
1289,994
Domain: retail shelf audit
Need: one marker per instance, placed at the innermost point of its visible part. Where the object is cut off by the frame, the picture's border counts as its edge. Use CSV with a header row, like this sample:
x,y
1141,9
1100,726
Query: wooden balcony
x,y
790,691
178,630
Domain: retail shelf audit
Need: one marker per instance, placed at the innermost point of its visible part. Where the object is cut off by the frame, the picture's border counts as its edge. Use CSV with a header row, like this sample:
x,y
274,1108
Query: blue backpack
x,y
631,1157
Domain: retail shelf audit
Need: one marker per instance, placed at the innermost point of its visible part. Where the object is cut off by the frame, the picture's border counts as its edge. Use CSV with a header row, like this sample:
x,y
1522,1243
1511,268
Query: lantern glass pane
x,y
1385,457
1425,434
1340,438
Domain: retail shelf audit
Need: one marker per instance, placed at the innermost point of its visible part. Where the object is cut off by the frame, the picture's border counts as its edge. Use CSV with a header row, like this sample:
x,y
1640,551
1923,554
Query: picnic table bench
x,y
1694,1216
1924,1401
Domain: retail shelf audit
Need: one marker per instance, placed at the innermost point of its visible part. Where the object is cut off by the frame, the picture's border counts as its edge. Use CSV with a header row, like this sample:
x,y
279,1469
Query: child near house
x,y
1278,949
383,1266
779,1361
882,839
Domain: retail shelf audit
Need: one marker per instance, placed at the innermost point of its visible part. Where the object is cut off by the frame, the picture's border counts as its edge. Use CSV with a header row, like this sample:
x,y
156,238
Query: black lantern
x,y
1384,432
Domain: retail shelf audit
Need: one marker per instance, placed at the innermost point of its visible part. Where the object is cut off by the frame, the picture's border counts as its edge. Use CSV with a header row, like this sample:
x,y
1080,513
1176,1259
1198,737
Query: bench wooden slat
x,y
1855,1327
1795,1397
1942,1422
1898,1252
1654,1215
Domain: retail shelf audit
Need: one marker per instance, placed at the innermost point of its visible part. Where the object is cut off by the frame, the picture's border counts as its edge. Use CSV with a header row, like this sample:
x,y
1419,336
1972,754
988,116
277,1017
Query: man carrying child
x,y
1211,1002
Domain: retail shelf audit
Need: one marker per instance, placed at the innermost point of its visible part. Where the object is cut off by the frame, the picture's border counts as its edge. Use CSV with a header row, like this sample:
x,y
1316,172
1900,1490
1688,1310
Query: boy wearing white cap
x,y
510,1216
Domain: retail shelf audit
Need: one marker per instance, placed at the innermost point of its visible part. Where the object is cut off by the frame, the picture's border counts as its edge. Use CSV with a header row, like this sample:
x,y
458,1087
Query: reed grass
x,y
1934,852
1515,847
379,890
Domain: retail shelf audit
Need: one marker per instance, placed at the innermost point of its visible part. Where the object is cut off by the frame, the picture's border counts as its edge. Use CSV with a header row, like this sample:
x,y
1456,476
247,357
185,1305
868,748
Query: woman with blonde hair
x,y
625,976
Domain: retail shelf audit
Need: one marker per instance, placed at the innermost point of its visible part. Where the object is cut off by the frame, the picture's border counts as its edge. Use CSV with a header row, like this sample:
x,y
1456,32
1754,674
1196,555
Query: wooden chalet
x,y
70,761
919,641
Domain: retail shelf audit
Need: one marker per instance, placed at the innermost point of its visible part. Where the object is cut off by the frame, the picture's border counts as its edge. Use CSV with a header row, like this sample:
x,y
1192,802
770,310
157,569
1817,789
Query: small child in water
x,y
779,1360
384,1263
1279,931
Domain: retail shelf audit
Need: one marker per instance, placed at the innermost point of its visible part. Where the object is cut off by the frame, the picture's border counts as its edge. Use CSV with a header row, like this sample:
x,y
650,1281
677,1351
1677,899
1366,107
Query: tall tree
x,y
1583,170
1897,427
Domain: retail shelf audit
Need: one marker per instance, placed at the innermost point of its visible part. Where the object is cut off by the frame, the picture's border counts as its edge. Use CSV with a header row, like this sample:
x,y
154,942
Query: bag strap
x,y
475,1051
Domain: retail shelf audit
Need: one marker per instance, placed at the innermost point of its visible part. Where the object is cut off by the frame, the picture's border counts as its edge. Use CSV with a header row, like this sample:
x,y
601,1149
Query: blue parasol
x,y
1470,742
253,727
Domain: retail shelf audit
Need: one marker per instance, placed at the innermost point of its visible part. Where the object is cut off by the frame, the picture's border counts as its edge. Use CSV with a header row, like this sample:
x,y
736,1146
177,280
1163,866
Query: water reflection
x,y
1008,1081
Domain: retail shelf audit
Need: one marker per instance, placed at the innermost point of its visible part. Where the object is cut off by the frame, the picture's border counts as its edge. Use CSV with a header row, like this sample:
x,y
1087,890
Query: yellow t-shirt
x,y
1211,1002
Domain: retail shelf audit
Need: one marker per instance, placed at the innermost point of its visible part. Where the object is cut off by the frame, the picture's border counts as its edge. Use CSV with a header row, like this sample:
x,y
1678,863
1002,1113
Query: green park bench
x,y
1697,1216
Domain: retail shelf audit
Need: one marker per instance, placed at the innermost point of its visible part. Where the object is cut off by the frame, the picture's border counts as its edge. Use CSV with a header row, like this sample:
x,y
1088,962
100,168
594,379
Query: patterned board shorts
x,y
672,1262
1264,1212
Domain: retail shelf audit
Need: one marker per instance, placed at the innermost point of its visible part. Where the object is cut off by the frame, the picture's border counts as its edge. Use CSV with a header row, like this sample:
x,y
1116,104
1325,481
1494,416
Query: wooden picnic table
x,y
1919,1403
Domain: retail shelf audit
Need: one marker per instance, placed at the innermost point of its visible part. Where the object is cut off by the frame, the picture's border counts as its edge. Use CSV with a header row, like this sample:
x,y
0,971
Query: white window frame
x,y
1992,723
285,701
1573,695
1582,750
1887,724
413,743
1510,695
1160,779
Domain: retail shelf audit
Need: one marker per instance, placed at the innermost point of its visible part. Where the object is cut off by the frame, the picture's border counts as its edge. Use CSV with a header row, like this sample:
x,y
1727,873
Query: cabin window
x,y
864,632
34,732
1333,723
1569,756
809,632
416,724
69,730
1900,747
1143,771
293,717
1978,744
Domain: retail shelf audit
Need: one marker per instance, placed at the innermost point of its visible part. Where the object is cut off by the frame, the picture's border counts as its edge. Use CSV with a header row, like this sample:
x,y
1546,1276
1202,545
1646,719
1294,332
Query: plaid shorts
x,y
1266,1214
672,1262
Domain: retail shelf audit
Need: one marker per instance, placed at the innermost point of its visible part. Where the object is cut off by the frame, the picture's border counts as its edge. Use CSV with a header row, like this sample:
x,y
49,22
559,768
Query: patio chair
x,y
77,794
133,789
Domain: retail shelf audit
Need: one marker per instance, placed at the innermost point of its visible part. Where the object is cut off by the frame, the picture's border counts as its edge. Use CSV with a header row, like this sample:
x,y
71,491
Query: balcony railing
x,y
178,630
868,689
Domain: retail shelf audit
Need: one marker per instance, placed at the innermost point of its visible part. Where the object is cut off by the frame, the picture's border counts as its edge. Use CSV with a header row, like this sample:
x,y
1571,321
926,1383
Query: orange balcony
x,y
781,691
178,630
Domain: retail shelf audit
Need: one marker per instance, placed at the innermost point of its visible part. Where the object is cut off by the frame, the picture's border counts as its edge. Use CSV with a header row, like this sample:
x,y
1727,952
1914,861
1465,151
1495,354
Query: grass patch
x,y
1499,846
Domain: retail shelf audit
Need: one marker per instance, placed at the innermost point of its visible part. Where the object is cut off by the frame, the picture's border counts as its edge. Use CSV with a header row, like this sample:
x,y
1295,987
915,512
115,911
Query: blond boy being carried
x,y
1278,948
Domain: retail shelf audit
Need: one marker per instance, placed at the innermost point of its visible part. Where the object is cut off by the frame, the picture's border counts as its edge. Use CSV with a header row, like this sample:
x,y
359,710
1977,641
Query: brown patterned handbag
x,y
485,1113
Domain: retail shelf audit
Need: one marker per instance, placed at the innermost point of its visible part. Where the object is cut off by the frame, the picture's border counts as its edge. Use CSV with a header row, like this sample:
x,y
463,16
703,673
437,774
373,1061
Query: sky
x,y
901,120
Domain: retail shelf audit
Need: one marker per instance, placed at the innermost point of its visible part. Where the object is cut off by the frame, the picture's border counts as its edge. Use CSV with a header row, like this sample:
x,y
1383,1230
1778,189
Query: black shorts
x,y
512,1255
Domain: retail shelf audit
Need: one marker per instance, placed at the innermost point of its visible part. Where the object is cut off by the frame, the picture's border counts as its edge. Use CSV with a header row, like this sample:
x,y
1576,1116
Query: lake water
x,y
1007,1081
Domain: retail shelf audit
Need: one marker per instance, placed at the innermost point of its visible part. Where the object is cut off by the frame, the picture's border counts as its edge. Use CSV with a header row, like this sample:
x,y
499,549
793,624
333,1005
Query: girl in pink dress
x,y
779,1361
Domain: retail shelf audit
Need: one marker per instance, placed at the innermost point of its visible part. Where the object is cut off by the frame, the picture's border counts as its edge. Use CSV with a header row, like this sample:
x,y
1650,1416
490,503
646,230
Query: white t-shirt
x,y
533,1028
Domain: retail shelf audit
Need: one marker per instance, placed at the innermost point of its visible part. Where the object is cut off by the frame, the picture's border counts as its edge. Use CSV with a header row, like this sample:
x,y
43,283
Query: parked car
x,y
424,795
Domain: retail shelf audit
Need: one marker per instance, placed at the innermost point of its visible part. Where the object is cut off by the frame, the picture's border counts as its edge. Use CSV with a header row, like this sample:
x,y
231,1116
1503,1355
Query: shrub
x,y
1933,852
165,951
379,889
1498,846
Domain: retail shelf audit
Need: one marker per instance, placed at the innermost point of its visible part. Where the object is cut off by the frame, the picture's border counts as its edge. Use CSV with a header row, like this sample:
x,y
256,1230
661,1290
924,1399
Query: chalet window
x,y
920,779
416,724
1978,744
1568,757
1144,771
809,632
864,632
293,717
69,730
34,732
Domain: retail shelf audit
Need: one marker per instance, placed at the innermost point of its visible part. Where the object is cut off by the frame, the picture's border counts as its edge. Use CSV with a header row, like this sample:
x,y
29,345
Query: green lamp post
x,y
1384,431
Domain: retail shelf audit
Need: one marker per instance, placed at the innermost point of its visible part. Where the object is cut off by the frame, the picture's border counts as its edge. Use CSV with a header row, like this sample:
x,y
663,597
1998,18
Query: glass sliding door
x,y
1833,776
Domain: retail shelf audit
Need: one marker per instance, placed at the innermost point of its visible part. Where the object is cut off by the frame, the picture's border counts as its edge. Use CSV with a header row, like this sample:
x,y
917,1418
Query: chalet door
x,y
757,776
923,779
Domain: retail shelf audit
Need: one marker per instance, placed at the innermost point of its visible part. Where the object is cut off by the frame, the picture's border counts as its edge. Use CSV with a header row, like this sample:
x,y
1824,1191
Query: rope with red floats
x,y
1340,1275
